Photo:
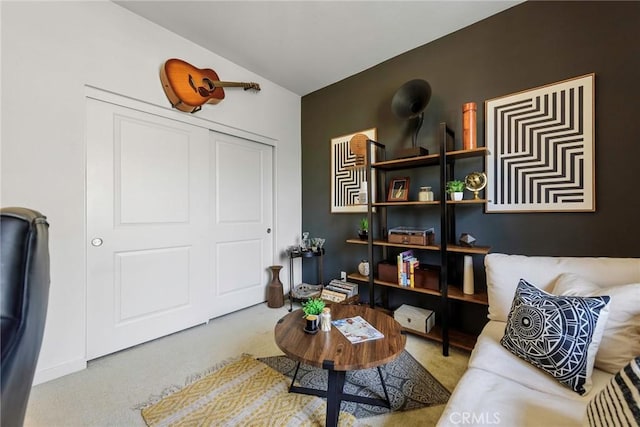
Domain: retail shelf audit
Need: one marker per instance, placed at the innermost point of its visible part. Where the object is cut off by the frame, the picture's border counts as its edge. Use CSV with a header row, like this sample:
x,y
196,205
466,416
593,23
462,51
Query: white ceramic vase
x,y
363,267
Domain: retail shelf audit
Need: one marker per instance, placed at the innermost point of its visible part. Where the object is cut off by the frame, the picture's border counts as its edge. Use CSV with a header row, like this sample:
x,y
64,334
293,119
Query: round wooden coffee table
x,y
333,351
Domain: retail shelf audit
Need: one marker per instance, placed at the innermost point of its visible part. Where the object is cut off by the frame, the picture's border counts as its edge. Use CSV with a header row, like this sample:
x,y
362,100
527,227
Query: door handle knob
x,y
268,230
96,242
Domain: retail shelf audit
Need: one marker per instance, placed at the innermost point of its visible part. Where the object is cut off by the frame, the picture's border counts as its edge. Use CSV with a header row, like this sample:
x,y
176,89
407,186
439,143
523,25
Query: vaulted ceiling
x,y
306,45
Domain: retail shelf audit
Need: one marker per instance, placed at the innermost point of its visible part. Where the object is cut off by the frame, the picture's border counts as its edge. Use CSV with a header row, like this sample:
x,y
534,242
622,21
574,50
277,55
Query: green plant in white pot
x,y
311,309
455,189
313,306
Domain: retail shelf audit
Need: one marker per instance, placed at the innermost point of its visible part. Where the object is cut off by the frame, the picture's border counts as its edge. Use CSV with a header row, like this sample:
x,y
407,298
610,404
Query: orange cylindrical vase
x,y
469,132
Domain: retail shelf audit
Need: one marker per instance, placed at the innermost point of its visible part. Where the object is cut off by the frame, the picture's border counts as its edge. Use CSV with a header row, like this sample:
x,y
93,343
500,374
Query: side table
x,y
319,255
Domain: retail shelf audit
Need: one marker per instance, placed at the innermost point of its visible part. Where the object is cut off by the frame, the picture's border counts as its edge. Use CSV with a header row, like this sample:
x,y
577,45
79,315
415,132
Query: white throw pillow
x,y
504,271
558,334
621,339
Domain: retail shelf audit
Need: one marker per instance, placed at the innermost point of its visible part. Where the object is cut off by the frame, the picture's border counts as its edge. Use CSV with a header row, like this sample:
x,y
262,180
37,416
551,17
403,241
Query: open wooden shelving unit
x,y
445,161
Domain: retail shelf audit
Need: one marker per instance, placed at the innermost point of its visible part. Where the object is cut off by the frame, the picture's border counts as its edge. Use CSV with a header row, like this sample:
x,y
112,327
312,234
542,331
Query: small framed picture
x,y
398,190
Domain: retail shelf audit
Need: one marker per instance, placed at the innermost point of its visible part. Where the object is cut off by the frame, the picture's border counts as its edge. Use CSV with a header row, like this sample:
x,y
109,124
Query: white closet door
x,y
147,227
242,201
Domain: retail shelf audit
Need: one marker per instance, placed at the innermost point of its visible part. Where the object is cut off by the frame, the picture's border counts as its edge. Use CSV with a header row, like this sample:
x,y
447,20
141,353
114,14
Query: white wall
x,y
50,52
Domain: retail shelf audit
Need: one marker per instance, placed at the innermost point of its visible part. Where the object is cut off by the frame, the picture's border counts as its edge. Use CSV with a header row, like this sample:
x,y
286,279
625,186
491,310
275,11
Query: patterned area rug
x,y
244,392
409,384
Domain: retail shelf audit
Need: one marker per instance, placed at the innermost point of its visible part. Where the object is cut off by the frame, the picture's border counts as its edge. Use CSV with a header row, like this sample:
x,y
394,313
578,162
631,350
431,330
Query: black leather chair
x,y
24,295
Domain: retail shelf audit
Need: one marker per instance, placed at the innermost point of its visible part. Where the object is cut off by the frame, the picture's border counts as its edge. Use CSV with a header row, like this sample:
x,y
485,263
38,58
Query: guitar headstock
x,y
254,86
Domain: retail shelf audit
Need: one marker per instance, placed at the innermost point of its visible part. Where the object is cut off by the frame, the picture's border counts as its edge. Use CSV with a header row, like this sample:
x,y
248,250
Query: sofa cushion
x,y
483,398
558,334
489,355
621,338
618,404
504,271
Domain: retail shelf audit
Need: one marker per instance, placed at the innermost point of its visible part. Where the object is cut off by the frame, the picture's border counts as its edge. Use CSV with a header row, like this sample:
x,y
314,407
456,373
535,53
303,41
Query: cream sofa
x,y
499,388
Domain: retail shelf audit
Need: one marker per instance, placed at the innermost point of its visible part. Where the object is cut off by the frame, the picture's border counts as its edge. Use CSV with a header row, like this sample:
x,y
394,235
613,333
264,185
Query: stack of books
x,y
407,266
339,290
332,296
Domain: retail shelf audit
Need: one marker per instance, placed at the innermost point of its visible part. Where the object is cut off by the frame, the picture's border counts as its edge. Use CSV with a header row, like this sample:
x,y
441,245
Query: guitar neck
x,y
236,84
229,84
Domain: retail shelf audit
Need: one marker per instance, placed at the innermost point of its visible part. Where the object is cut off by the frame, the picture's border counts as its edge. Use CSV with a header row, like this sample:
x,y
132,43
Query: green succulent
x,y
364,224
313,306
455,186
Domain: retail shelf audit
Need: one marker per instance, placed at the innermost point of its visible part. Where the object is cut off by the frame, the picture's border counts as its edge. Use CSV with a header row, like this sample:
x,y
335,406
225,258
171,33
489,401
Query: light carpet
x,y
409,384
243,392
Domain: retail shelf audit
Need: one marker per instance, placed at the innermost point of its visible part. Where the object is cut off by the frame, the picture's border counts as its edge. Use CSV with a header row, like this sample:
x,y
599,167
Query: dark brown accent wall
x,y
532,44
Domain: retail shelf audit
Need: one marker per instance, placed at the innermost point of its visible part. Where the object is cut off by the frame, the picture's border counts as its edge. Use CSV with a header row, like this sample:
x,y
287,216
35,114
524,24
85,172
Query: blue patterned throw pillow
x,y
618,404
558,334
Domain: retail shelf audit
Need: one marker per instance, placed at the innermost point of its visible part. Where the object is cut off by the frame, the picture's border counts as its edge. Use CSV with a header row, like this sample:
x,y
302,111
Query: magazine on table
x,y
356,329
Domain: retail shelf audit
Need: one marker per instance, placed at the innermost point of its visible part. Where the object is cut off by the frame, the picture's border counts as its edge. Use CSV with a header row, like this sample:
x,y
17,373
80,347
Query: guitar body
x,y
188,87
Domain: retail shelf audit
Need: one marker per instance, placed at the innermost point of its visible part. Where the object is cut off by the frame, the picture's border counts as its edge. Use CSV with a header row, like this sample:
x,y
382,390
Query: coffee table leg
x,y
334,391
293,380
384,387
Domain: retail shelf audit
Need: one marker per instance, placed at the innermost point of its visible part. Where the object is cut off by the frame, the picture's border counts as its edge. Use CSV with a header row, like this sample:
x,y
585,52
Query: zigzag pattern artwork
x,y
541,149
345,177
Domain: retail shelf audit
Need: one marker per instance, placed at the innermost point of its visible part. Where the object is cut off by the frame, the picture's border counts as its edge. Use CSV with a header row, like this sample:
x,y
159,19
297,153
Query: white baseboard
x,y
48,374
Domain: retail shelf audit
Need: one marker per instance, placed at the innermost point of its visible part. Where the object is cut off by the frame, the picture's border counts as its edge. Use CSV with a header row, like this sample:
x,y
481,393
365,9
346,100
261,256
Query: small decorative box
x,y
411,236
415,318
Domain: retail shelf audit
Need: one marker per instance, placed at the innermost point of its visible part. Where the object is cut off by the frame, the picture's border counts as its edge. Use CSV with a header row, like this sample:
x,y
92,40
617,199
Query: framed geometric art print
x,y
541,149
347,176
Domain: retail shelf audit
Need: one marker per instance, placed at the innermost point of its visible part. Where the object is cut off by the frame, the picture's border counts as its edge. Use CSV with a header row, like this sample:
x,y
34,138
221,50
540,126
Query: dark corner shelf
x,y
467,202
428,160
478,250
453,292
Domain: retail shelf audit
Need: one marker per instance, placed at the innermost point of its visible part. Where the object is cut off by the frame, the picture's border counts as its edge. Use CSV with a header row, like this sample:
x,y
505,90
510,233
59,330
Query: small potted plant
x,y
363,231
312,308
455,189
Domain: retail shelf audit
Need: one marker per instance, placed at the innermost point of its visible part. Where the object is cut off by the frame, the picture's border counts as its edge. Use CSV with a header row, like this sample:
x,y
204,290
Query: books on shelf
x,y
357,330
407,266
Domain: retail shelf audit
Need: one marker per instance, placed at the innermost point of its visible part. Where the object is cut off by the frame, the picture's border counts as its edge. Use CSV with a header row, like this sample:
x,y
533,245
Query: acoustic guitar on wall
x,y
188,87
